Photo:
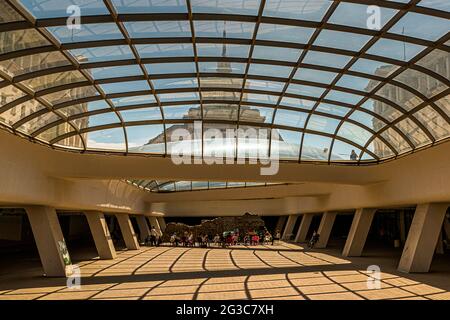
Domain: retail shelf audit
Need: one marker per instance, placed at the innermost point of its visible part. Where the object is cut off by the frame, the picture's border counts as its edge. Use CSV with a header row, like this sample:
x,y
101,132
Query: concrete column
x,y
304,227
280,224
422,237
143,227
155,223
49,241
358,232
289,227
101,235
162,223
127,231
325,227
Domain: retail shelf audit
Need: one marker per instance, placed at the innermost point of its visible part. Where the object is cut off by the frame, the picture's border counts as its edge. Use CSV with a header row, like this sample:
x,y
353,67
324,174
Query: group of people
x,y
154,239
252,238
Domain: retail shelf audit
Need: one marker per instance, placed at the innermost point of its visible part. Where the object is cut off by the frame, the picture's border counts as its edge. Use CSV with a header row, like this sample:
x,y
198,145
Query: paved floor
x,y
283,271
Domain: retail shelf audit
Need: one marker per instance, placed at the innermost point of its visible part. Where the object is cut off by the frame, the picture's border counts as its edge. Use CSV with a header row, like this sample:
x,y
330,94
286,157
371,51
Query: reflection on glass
x,y
341,40
402,51
314,75
297,9
434,122
322,124
158,29
395,140
88,32
426,85
315,147
141,114
165,50
224,29
98,54
414,133
182,112
146,139
431,28
276,53
290,118
284,33
343,151
354,133
35,62
109,139
285,144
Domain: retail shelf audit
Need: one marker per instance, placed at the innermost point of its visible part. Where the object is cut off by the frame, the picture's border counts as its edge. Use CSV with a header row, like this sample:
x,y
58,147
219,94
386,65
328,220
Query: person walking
x,y
153,236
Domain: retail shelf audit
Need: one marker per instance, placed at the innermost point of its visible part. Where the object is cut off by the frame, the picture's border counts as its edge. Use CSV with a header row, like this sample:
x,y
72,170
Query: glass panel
x,y
402,51
147,139
158,29
221,95
38,122
197,185
73,142
98,54
399,96
115,72
57,131
437,61
269,69
84,107
110,139
26,64
220,111
345,97
360,16
315,75
341,40
434,122
97,120
253,143
343,151
218,82
184,139
169,68
20,40
378,68
315,147
9,93
182,112
224,29
276,53
421,82
298,103
54,80
413,132
89,32
141,114
357,83
436,4
395,140
284,33
183,185
178,96
129,86
304,90
380,149
219,140
59,8
217,185
431,28
17,113
326,59
175,83
222,50
133,100
63,96
256,114
290,118
332,109
297,9
8,14
444,104
368,120
285,144
247,7
384,110
260,98
354,133
149,6
165,50
264,85
322,124
222,67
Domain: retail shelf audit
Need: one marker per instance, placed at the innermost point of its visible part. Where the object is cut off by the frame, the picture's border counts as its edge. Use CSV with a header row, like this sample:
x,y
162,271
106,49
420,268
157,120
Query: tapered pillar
x,y
100,233
325,227
422,237
143,227
128,234
280,224
359,230
162,223
289,227
50,241
302,232
155,223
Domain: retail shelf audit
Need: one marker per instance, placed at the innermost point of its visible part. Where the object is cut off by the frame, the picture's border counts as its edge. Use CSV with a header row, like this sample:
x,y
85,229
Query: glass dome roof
x,y
323,78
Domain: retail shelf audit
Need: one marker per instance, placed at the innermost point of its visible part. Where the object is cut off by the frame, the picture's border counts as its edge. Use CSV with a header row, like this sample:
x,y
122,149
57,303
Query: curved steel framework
x,y
330,77
179,186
